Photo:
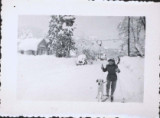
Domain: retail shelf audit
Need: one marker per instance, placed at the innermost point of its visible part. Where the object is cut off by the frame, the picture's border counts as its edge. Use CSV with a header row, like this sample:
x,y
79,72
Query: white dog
x,y
100,89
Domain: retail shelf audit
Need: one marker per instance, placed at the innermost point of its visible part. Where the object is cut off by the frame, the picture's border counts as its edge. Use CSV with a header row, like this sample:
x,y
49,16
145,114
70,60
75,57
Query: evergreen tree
x,y
60,35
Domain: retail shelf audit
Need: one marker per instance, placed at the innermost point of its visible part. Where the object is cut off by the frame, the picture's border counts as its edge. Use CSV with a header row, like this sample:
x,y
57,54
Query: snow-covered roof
x,y
29,44
69,17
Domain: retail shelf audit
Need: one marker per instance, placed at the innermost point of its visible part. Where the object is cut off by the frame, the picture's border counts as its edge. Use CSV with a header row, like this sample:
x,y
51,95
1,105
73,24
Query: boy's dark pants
x,y
113,86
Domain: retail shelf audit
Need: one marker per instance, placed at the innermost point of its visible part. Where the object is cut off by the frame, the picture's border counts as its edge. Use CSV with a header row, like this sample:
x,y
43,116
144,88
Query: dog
x,y
100,89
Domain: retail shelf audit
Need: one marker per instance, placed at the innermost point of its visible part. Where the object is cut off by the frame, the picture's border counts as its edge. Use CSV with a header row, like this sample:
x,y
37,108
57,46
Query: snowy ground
x,y
59,79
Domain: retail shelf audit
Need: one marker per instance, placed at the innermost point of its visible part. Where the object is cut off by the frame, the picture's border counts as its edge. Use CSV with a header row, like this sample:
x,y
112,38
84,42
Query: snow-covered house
x,y
42,47
31,46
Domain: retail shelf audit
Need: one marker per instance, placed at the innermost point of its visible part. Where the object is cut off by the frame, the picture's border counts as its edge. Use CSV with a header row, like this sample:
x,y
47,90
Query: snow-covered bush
x,y
90,54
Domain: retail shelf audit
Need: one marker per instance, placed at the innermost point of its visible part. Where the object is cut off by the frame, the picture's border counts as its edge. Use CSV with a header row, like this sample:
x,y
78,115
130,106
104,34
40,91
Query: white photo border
x,y
10,12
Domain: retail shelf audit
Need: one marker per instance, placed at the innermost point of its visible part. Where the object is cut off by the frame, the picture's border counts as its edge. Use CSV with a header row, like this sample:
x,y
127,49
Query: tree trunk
x,y
128,36
69,48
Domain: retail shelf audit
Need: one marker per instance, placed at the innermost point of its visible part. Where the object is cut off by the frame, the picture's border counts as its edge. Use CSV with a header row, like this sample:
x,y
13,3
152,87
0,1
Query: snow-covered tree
x,y
60,35
88,47
132,32
24,33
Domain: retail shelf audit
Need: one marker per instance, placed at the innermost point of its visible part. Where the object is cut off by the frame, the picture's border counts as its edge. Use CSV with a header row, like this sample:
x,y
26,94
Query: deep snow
x,y
59,79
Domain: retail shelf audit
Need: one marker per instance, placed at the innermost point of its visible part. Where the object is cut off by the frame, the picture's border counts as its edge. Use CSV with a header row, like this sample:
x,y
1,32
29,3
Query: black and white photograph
x,y
81,58
86,59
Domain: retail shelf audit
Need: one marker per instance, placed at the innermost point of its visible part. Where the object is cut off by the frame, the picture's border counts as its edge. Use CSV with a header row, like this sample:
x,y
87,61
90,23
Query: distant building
x,y
42,47
33,46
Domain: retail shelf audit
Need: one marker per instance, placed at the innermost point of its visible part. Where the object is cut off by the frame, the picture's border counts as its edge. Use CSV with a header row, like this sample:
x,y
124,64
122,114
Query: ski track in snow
x,y
59,79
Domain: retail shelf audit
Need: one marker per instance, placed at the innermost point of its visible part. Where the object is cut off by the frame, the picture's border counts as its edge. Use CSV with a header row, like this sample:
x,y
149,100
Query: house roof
x,y
29,44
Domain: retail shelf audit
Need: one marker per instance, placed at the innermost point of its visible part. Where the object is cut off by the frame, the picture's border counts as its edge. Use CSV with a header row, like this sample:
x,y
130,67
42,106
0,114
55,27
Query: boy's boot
x,y
112,98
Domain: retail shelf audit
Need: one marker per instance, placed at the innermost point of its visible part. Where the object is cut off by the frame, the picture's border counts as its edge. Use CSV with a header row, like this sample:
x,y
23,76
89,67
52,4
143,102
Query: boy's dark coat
x,y
112,76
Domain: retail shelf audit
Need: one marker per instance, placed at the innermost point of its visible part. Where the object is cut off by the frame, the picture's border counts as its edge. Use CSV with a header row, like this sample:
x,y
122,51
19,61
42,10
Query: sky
x,y
36,23
96,27
101,27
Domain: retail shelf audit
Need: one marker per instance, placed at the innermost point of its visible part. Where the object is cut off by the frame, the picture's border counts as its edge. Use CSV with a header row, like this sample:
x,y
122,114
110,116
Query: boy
x,y
112,68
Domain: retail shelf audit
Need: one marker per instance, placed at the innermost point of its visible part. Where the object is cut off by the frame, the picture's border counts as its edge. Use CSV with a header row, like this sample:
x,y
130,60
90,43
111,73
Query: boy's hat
x,y
111,60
